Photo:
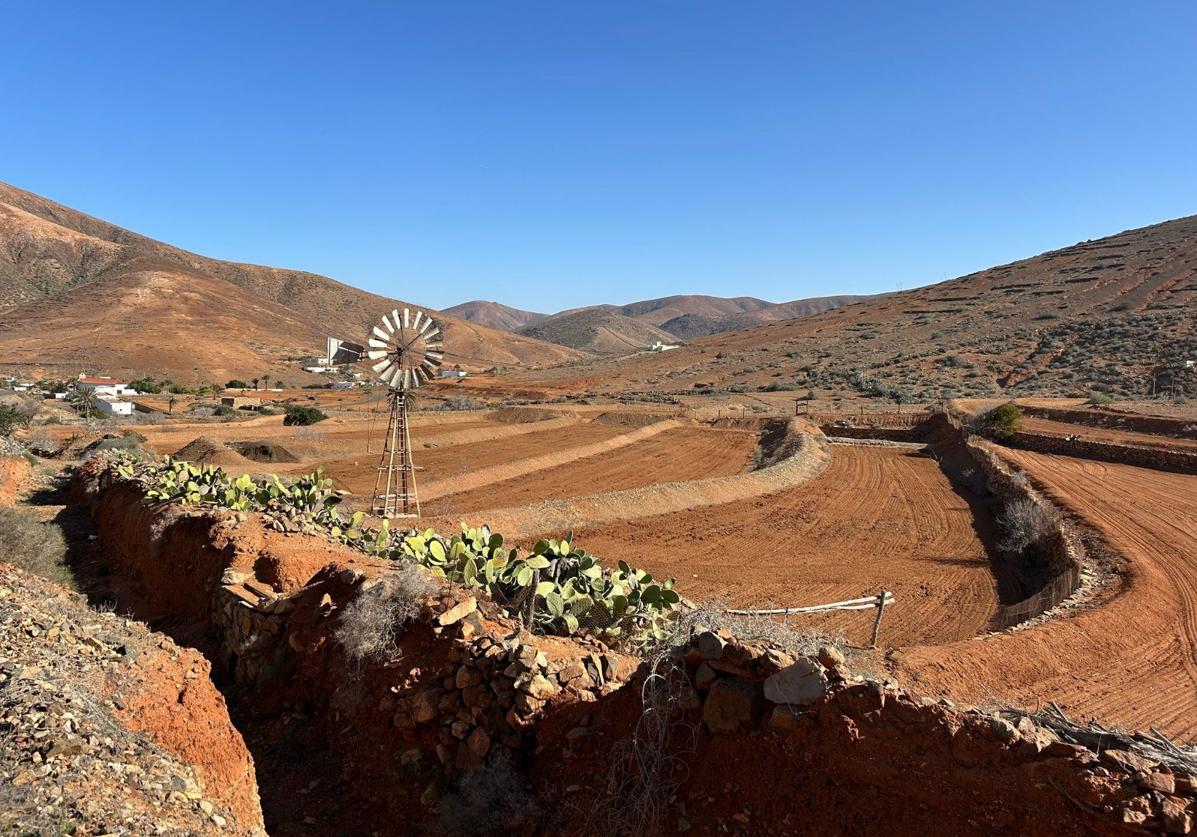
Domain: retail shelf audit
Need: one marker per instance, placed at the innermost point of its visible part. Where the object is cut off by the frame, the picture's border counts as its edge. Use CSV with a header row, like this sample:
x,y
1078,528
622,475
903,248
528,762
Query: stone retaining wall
x,y
1158,458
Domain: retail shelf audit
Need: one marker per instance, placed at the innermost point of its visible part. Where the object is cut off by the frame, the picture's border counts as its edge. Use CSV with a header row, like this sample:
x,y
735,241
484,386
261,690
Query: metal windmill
x,y
407,351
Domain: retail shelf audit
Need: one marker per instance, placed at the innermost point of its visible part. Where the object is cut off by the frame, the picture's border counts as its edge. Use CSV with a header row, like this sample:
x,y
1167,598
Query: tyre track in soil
x,y
675,455
1131,660
875,517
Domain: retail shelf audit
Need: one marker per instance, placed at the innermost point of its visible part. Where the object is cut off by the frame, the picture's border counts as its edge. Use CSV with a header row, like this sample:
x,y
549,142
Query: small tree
x,y
303,416
236,383
170,405
10,418
255,382
1001,422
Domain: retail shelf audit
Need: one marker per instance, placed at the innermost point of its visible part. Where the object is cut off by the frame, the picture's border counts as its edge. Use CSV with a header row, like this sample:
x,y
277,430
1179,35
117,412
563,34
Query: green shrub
x,y
236,383
10,419
303,415
34,546
223,410
1002,422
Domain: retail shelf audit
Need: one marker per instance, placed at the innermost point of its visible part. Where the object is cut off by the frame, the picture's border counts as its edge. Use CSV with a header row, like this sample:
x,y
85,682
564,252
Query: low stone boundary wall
x,y
1155,425
1159,459
1061,552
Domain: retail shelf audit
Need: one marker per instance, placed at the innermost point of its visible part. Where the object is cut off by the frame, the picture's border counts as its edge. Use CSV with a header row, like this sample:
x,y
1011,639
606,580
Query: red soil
x,y
876,517
1131,660
685,453
167,694
356,473
13,472
1089,433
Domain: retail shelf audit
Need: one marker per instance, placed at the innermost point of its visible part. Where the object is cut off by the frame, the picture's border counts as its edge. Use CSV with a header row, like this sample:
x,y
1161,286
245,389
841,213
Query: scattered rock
x,y
458,612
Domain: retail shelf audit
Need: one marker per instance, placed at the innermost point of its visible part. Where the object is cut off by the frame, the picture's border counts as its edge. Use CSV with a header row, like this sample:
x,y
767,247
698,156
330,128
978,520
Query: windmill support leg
x,y
395,486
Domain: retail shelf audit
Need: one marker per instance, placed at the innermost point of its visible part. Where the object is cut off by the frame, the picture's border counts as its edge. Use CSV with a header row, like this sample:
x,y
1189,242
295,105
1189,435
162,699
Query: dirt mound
x,y
263,451
631,419
205,450
521,415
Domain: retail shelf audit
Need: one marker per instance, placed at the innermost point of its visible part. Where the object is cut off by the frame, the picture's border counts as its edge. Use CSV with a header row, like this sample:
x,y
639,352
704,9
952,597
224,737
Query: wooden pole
x,y
880,612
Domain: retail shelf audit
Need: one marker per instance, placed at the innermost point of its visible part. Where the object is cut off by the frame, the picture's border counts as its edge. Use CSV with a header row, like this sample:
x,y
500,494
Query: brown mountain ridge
x,y
1095,316
81,294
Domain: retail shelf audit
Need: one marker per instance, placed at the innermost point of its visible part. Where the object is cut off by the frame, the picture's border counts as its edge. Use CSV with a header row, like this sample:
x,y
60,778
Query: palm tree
x,y
256,383
170,404
85,400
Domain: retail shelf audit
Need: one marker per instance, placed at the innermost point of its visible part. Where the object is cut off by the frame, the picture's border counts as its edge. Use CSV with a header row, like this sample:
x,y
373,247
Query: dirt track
x,y
876,517
1131,660
684,453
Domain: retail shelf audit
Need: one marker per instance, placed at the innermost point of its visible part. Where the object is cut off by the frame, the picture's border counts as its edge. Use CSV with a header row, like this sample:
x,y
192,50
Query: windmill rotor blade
x,y
415,323
422,374
387,323
378,344
395,318
380,334
376,354
385,371
427,325
395,378
378,367
436,358
432,334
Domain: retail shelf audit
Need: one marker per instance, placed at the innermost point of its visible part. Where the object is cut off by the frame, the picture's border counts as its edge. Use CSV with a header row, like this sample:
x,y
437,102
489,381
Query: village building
x,y
102,385
114,406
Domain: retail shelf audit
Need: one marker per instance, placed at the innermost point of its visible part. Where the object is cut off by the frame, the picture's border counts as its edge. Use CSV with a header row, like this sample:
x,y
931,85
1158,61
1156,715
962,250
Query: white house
x,y
114,406
664,347
104,386
453,373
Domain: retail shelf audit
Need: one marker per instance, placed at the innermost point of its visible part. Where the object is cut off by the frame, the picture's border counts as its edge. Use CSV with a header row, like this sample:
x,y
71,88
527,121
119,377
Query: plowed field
x,y
876,517
356,473
685,453
1131,660
1034,424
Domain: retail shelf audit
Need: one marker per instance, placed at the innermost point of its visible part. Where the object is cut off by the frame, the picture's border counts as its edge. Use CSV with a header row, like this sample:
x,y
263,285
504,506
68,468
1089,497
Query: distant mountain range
x,y
80,294
619,329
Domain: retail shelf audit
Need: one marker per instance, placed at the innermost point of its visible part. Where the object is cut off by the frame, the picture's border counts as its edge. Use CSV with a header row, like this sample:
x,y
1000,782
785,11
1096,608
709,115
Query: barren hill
x,y
683,316
79,293
495,315
598,330
1094,316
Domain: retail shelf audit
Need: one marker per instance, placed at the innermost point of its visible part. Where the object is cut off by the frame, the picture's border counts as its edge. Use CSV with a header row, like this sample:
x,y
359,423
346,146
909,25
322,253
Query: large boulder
x,y
799,684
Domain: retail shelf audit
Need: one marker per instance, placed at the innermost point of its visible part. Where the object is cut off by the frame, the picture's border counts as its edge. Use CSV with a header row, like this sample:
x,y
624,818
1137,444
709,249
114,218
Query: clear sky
x,y
556,154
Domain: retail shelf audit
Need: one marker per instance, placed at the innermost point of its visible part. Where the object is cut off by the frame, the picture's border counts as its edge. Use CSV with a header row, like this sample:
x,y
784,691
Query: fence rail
x,y
880,601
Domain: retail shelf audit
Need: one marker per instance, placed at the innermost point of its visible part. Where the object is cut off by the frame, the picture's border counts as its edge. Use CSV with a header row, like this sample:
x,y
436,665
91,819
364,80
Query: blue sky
x,y
555,154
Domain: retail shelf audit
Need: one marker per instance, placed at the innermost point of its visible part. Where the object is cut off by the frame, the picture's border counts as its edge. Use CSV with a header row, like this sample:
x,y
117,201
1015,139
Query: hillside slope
x,y
598,330
1096,315
79,293
495,315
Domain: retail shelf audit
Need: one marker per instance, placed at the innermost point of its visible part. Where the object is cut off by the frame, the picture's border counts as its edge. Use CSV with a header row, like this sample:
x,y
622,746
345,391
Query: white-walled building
x,y
114,406
453,373
104,386
664,347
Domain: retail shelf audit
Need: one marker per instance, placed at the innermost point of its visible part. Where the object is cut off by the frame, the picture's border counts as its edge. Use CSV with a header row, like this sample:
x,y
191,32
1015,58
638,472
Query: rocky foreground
x,y
109,728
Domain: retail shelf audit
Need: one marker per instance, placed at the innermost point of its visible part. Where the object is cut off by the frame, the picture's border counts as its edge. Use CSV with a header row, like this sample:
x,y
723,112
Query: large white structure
x,y
453,373
104,386
664,347
114,406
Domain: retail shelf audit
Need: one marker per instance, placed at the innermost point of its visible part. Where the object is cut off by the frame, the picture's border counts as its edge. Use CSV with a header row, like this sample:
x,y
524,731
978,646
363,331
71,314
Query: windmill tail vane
x,y
405,352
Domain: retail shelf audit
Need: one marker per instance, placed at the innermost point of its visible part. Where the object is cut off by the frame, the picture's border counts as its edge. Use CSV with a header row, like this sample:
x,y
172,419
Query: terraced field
x,y
876,517
1131,660
680,454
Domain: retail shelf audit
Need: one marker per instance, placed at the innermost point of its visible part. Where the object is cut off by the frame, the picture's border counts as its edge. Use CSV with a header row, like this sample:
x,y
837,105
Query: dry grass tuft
x,y
34,546
371,623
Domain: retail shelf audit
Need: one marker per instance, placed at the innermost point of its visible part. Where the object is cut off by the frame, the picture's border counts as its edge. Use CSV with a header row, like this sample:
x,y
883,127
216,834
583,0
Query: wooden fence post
x,y
880,611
